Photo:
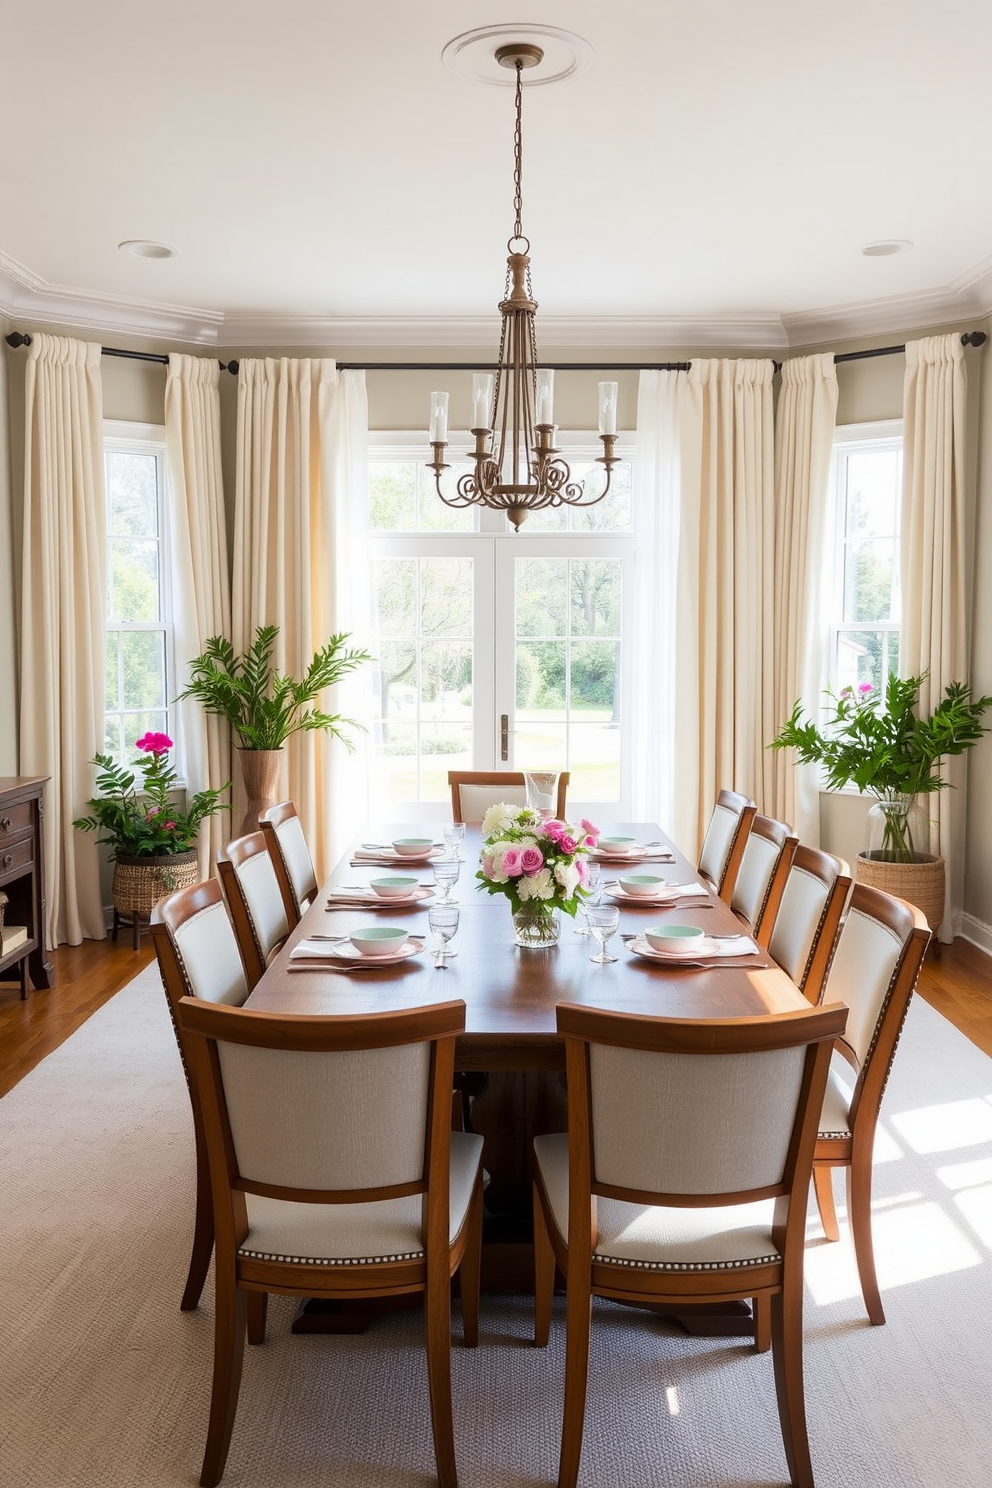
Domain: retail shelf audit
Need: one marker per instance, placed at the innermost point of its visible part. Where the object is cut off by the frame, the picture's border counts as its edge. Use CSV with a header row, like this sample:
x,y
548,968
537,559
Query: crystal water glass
x,y
541,792
594,885
454,836
604,922
446,872
443,921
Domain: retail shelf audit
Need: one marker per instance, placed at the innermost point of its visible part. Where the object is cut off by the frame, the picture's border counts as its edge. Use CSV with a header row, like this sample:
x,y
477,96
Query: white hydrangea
x,y
540,886
568,876
500,818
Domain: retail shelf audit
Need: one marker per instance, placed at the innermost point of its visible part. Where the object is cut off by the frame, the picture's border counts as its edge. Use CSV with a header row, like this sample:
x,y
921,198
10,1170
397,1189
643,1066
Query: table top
x,y
510,993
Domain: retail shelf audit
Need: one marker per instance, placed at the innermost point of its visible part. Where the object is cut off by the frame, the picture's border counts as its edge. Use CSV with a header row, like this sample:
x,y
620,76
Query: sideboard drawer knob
x,y
8,858
6,822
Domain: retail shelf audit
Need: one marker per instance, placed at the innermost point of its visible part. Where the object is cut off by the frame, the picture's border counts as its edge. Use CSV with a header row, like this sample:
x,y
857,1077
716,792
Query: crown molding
x,y
27,298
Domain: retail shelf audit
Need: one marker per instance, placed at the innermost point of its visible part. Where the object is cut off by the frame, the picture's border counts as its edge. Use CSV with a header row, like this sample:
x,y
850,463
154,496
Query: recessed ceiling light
x,y
145,248
886,246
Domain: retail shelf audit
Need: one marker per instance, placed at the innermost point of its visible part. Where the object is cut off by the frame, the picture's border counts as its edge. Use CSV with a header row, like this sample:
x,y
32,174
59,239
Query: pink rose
x,y
487,864
512,864
592,833
552,830
153,743
582,869
531,861
567,844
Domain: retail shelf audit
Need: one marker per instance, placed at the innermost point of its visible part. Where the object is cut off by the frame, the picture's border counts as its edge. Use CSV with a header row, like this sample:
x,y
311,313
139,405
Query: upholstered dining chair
x,y
284,835
684,1175
874,970
805,927
768,854
250,884
198,956
474,791
723,846
379,1198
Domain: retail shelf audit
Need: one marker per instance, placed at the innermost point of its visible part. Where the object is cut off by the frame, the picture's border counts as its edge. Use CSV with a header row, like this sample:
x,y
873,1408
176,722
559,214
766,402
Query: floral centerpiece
x,y
878,743
540,866
141,821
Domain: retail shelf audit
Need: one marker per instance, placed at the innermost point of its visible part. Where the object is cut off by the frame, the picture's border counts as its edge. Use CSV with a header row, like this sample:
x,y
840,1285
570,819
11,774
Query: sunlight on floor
x,y
943,1128
672,1397
913,1241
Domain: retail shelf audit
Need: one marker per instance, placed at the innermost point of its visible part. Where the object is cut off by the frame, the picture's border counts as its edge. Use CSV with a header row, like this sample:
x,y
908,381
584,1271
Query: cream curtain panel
x,y
301,506
63,601
724,693
656,506
934,573
201,584
805,418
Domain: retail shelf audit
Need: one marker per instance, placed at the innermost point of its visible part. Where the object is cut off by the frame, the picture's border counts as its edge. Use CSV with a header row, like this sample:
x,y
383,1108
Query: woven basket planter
x,y
921,883
139,883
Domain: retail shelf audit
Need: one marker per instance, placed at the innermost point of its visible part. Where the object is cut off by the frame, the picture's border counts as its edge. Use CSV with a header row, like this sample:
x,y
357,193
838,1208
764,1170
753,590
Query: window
x,y
475,623
139,635
867,490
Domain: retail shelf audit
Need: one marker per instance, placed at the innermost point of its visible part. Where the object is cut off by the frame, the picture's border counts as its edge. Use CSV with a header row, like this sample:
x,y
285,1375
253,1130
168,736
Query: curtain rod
x,y
969,338
18,338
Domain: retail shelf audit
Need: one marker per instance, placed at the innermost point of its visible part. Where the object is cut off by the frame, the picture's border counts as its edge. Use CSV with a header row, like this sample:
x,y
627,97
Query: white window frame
x,y
579,447
150,439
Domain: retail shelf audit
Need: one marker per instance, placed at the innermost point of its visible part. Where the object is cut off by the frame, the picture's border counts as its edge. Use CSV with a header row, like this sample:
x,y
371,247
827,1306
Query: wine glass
x,y
541,792
594,885
604,922
446,872
454,836
443,920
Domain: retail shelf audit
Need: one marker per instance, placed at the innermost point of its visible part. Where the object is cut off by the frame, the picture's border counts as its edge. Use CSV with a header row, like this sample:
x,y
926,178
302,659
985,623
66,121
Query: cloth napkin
x,y
391,860
369,899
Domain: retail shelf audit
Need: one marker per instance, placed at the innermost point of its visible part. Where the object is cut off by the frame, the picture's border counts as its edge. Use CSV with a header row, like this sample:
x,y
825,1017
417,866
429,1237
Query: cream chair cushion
x,y
261,890
757,866
208,951
477,799
299,863
718,842
795,925
861,974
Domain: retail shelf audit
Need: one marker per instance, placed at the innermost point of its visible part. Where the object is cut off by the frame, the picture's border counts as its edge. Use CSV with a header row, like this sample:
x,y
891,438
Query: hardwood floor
x,y
959,985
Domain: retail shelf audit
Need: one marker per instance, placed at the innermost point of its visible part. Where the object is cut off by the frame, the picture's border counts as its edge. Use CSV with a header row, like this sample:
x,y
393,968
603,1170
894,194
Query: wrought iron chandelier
x,y
516,466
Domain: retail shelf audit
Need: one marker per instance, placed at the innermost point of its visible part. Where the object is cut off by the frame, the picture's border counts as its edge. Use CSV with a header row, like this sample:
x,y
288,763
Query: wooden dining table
x,y
510,1059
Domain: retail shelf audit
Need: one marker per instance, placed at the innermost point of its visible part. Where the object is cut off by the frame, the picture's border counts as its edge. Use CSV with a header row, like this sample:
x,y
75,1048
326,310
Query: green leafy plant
x,y
140,821
264,706
878,743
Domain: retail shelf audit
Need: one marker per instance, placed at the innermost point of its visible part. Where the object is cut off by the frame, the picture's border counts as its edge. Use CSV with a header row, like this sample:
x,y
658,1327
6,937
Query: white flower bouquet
x,y
538,865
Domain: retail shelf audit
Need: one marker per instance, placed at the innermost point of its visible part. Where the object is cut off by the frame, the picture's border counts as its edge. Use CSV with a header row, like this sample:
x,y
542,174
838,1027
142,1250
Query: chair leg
x,y
437,1324
823,1184
544,1275
761,1308
258,1307
787,1358
578,1315
859,1218
471,1270
203,1234
229,1352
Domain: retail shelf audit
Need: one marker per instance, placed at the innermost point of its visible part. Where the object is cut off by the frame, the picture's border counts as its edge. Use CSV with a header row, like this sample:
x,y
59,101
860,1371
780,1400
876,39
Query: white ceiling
x,y
710,178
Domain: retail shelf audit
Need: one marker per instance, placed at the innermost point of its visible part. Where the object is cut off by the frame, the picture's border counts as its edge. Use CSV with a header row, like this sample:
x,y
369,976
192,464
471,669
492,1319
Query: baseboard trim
x,y
974,930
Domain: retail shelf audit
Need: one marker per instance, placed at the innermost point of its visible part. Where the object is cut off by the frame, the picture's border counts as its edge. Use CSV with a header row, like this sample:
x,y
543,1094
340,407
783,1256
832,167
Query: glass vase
x,y
537,927
897,830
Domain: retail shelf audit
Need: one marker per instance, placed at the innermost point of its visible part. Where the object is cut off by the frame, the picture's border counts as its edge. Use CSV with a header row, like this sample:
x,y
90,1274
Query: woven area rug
x,y
105,1384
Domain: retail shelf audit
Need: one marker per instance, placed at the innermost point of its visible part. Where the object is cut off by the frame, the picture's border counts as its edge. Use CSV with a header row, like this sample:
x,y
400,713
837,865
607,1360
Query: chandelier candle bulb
x,y
439,418
545,395
607,408
482,400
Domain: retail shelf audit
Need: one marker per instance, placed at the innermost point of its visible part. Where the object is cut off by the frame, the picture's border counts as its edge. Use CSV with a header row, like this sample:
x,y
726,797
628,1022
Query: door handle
x,y
504,736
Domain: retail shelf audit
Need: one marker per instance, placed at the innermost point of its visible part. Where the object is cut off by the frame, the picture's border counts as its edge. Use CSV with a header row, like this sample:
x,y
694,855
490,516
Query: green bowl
x,y
670,937
378,940
394,888
643,883
412,847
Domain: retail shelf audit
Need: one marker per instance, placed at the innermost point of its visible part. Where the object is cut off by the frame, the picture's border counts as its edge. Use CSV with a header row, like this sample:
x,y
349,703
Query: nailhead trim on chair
x,y
267,1255
686,1265
837,1136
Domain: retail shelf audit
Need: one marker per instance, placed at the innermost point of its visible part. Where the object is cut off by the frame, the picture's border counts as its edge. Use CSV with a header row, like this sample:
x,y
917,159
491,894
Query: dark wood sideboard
x,y
22,879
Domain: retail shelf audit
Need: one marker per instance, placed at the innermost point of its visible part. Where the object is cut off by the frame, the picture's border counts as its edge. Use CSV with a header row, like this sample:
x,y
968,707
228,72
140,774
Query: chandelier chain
x,y
518,150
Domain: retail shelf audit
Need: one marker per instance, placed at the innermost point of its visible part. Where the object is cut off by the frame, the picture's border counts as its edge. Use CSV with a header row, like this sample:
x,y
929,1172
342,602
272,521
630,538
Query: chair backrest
x,y
805,928
255,900
768,855
474,791
325,1109
674,1111
196,946
874,969
283,832
726,836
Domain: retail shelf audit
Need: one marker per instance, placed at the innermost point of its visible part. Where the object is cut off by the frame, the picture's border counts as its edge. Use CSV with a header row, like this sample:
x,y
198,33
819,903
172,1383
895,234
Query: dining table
x,y
510,1060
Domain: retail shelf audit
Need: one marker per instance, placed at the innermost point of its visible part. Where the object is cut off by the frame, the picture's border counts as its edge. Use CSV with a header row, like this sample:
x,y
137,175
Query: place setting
x,y
610,849
399,850
400,891
370,948
649,891
690,945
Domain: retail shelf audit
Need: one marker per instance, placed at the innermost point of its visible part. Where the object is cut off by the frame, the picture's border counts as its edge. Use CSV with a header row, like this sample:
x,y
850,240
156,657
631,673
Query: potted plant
x,y
879,744
152,841
540,866
264,707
